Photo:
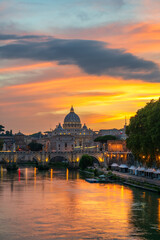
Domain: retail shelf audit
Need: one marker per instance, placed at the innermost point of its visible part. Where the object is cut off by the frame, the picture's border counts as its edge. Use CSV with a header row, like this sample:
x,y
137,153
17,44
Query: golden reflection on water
x,y
122,191
51,174
67,172
108,204
63,206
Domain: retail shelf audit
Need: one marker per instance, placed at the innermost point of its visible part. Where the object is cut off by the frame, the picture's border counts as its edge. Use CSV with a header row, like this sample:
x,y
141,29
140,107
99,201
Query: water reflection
x,y
67,171
51,174
145,214
159,214
1,173
58,204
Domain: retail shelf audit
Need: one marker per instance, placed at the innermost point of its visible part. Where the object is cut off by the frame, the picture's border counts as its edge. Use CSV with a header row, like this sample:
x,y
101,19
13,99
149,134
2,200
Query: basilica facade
x,y
72,136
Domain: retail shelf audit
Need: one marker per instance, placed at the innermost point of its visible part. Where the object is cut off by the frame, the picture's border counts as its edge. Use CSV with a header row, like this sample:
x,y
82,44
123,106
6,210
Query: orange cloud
x,y
101,102
142,39
27,67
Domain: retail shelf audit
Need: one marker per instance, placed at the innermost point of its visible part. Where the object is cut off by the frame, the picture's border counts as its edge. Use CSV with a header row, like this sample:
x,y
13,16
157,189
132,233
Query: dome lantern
x,y
72,109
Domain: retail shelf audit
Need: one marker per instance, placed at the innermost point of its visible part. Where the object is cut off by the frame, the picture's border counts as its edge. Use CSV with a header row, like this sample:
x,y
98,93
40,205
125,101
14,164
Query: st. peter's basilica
x,y
72,135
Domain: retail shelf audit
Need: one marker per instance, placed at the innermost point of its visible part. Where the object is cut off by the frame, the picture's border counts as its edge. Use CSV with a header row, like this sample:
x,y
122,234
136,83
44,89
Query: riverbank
x,y
138,182
124,178
85,172
35,164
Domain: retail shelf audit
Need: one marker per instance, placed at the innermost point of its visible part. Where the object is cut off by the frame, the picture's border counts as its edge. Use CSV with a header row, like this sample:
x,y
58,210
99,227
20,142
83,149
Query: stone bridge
x,y
72,157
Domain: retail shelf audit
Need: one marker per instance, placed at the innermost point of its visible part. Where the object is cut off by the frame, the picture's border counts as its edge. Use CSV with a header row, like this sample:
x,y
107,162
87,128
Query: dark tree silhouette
x,y
33,146
144,134
86,161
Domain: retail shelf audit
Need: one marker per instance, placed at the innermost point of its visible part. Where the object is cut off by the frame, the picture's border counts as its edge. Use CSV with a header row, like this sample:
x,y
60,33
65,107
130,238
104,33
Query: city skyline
x,y
102,58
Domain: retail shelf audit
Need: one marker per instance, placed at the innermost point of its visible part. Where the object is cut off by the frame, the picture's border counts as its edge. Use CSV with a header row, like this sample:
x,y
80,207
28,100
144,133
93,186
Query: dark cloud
x,y
16,37
93,57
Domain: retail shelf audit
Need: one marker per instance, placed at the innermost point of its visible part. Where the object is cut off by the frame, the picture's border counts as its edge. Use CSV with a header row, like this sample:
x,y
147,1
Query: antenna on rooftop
x,y
125,121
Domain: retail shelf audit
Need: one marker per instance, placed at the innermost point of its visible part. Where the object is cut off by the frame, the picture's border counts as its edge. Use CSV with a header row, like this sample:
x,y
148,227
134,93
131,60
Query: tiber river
x,y
61,205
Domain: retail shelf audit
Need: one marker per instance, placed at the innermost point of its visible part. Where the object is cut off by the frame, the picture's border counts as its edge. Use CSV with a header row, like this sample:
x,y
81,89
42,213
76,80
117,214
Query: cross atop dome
x,y
72,109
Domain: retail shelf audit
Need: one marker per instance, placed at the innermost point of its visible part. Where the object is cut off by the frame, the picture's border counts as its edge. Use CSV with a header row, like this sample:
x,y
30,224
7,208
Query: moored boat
x,y
92,180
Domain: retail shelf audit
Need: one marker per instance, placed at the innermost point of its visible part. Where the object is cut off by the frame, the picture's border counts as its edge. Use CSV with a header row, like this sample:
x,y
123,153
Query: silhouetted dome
x,y
19,134
59,127
85,127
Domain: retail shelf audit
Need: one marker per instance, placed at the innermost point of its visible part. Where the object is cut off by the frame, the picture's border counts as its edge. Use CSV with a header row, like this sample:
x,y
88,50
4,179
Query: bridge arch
x,y
96,159
36,158
20,159
59,158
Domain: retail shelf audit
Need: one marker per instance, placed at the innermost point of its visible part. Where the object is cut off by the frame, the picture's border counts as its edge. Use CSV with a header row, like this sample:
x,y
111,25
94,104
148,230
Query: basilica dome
x,y
72,120
72,117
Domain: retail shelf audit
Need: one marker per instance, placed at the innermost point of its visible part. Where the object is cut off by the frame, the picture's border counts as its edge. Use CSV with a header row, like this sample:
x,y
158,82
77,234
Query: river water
x,y
61,205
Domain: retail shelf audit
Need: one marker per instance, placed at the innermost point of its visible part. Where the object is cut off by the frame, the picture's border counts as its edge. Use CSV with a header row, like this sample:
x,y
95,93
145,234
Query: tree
x,y
9,133
33,146
1,128
1,144
144,134
104,139
85,161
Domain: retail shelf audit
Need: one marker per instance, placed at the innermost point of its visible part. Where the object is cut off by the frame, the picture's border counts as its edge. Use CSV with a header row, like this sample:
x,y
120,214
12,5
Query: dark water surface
x,y
60,205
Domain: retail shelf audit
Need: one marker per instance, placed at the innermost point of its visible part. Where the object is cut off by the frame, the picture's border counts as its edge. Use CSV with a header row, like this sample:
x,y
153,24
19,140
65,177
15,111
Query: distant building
x,y
8,141
117,146
119,133
72,136
69,136
113,132
20,142
63,143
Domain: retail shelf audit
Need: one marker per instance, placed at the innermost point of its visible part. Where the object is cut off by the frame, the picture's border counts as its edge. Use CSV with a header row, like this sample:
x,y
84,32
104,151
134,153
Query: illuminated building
x,y
72,136
117,146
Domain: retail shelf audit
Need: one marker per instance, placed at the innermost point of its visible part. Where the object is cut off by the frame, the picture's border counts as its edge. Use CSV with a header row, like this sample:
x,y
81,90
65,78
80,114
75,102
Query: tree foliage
x,y
9,133
85,161
33,146
1,128
104,139
1,144
144,133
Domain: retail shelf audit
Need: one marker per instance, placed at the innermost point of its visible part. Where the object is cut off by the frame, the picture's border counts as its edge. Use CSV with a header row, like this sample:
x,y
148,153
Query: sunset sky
x,y
101,56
